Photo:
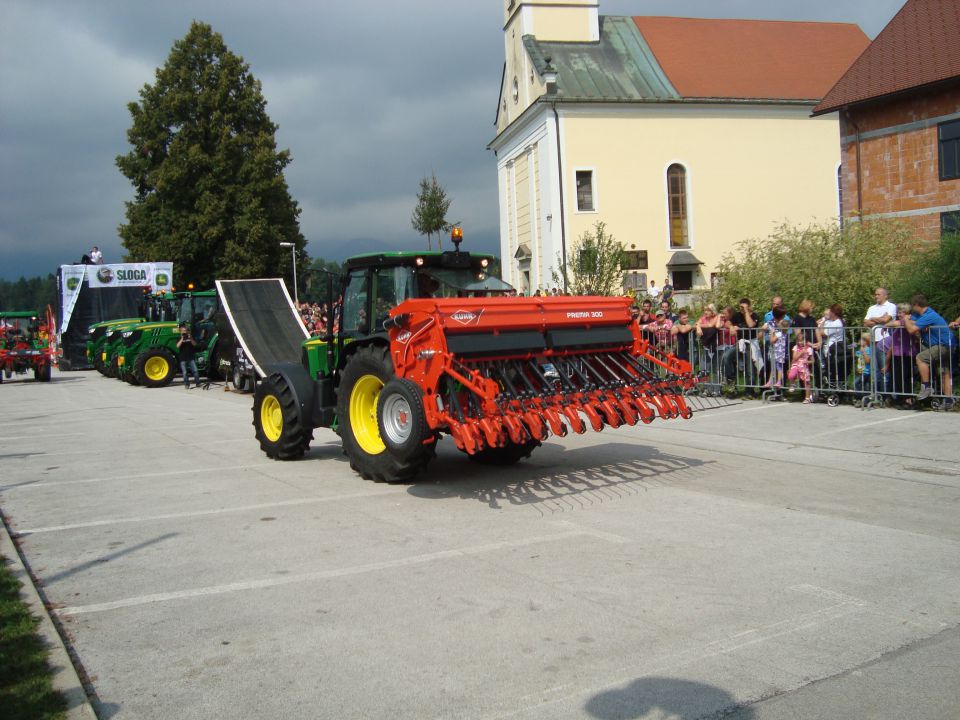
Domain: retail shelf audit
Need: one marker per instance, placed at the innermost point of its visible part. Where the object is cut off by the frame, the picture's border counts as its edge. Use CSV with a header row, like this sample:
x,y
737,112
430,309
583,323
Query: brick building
x,y
899,109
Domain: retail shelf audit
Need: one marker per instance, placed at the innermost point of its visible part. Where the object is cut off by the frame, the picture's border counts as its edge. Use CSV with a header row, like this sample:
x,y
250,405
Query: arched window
x,y
677,206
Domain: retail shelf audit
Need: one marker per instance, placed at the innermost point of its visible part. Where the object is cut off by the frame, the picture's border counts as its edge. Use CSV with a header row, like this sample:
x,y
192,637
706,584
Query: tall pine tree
x,y
210,193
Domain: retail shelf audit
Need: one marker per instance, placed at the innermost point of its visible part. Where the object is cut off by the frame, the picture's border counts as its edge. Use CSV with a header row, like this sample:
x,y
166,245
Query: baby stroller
x,y
830,373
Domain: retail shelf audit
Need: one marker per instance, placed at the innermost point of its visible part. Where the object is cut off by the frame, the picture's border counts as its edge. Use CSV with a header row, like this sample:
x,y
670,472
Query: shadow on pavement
x,y
50,579
670,697
554,473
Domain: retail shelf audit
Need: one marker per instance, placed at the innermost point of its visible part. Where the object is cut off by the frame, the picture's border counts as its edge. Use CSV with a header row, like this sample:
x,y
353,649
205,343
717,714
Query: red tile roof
x,y
921,45
752,59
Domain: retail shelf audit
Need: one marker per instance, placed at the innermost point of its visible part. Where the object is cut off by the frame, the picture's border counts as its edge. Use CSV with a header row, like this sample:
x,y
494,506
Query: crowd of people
x,y
898,345
316,317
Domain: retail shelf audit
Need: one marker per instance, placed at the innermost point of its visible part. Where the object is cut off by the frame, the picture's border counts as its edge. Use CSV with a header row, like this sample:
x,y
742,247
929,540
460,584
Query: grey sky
x,y
369,98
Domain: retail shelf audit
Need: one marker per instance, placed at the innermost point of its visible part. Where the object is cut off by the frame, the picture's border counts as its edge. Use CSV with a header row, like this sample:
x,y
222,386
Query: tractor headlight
x,y
484,263
128,333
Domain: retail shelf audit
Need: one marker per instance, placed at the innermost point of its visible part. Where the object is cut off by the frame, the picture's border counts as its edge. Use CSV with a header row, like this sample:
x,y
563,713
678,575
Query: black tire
x,y
131,378
155,367
238,378
42,373
110,368
367,371
401,420
509,454
213,363
279,429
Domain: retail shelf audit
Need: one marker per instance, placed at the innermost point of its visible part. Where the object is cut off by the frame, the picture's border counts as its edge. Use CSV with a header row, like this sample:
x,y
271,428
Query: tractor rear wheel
x,y
366,373
509,454
42,373
278,426
155,367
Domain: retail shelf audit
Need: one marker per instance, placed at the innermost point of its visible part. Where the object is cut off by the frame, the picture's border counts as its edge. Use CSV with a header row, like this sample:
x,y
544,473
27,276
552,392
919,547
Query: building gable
x,y
918,47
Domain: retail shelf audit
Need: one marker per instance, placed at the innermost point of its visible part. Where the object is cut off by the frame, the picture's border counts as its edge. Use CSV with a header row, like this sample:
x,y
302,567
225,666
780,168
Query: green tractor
x,y
341,374
154,306
146,353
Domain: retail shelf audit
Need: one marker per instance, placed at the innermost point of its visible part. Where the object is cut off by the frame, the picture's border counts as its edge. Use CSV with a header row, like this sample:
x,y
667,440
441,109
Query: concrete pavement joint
x,y
204,513
132,476
324,574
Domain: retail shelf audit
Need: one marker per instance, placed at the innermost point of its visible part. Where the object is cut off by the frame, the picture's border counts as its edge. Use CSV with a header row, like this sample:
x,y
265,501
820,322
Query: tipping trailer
x,y
27,343
428,344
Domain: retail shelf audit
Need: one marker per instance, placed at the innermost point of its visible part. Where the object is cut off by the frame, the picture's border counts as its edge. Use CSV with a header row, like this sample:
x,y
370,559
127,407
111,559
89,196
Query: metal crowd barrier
x,y
749,364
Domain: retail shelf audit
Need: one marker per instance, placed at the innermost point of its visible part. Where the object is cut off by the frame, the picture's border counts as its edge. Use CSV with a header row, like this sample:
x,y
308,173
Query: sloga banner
x,y
157,276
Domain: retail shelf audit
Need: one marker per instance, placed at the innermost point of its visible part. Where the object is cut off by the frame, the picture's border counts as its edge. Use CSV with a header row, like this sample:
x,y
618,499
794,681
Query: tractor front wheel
x,y
278,426
507,455
362,382
155,367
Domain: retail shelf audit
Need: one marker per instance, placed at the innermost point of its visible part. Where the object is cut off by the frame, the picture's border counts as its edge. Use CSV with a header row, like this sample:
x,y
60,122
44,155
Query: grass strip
x,y
26,688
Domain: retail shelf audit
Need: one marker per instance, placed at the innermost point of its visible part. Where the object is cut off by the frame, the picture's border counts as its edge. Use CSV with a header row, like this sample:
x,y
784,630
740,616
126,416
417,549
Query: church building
x,y
683,135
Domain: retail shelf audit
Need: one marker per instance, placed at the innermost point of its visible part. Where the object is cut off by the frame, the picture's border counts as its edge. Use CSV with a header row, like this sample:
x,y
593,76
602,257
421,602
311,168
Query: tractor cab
x,y
378,282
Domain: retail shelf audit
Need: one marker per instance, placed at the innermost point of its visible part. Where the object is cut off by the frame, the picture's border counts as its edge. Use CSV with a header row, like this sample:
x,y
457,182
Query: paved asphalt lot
x,y
759,561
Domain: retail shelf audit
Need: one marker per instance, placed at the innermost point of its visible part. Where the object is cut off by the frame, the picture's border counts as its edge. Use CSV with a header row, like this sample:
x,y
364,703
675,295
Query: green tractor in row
x,y
153,307
146,353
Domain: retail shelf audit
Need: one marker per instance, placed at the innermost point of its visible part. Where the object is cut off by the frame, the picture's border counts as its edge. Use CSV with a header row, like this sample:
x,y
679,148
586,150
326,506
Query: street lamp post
x,y
293,259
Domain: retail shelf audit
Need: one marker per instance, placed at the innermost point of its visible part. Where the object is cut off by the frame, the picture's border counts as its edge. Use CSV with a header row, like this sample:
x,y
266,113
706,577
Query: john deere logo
x,y
105,275
161,280
72,284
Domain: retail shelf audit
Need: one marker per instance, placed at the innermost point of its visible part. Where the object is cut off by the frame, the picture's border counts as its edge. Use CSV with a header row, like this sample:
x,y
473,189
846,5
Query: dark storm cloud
x,y
369,98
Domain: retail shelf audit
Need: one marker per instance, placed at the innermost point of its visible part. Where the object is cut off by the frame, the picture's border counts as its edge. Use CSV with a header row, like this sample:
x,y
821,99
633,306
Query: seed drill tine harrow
x,y
502,371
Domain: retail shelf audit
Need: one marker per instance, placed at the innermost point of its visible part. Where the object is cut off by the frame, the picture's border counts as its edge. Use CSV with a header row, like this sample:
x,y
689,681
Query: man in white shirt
x,y
654,291
879,314
96,257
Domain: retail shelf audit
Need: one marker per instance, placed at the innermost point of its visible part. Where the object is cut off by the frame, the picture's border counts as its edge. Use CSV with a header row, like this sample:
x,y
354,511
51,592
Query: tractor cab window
x,y
354,321
391,286
445,283
198,313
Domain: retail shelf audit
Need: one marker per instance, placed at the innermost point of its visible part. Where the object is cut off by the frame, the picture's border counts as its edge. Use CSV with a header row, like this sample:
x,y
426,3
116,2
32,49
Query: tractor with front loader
x,y
27,342
429,344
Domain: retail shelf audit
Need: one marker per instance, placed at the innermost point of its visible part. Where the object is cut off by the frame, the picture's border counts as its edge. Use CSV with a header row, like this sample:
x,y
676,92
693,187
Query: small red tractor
x,y
27,341
429,344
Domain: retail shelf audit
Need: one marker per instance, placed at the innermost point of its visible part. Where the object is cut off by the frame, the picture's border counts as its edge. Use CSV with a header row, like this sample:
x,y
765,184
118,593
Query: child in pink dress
x,y
801,360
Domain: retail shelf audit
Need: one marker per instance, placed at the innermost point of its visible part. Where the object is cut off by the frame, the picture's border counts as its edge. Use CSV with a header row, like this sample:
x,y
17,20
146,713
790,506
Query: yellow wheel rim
x,y
156,368
271,418
363,414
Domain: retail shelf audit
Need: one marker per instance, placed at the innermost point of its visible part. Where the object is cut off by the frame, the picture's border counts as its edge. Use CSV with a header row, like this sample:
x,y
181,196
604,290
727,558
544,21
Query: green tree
x,y
934,272
210,193
821,263
430,214
593,267
28,293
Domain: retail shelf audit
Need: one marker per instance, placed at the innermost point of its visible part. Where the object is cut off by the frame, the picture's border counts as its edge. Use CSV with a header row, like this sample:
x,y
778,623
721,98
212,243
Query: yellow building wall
x,y
560,24
748,170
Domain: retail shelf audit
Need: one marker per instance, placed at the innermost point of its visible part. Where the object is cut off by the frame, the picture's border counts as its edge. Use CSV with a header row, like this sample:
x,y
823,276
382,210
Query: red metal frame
x,y
611,384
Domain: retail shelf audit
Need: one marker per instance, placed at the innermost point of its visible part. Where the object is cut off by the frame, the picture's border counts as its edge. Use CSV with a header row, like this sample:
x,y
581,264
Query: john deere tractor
x,y
146,353
429,344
